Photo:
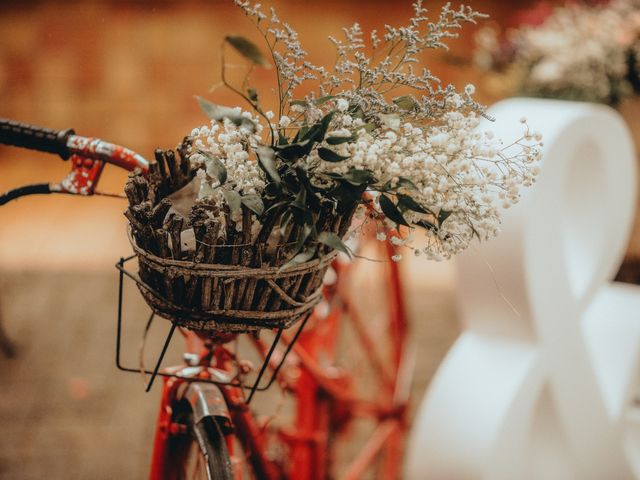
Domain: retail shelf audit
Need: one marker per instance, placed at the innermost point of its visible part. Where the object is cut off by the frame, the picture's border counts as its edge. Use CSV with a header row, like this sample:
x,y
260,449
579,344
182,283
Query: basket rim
x,y
239,270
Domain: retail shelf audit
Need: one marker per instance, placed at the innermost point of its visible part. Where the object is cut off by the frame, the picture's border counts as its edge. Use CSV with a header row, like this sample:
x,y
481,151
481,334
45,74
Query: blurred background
x,y
127,72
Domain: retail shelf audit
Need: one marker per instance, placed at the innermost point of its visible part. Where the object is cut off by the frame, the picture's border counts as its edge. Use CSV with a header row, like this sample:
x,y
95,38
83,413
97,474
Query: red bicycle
x,y
335,404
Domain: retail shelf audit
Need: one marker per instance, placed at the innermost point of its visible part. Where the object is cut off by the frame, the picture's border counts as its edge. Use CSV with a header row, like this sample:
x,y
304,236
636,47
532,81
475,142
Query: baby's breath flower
x,y
421,154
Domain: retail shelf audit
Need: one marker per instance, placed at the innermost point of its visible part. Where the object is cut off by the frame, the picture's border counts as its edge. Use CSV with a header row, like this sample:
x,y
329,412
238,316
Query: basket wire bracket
x,y
161,357
265,364
256,387
276,371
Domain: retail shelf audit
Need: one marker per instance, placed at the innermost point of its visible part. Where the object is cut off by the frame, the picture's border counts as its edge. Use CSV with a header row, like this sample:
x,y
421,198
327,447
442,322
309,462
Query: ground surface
x,y
67,413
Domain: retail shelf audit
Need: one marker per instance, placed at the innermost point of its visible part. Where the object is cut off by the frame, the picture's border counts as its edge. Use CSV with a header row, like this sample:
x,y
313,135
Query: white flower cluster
x,y
453,167
580,52
377,122
234,147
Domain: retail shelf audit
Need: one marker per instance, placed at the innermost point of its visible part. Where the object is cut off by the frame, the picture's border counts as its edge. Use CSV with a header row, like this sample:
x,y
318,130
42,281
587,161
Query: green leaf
x,y
282,140
254,203
233,200
359,177
406,183
323,100
266,158
332,240
330,155
248,50
391,211
215,167
368,127
427,225
442,216
305,231
409,203
302,131
302,257
276,205
294,151
219,113
300,103
285,220
301,198
252,93
318,131
405,102
339,140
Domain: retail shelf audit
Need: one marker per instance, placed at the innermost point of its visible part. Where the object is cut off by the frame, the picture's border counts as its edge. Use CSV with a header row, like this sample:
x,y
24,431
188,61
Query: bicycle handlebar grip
x,y
35,138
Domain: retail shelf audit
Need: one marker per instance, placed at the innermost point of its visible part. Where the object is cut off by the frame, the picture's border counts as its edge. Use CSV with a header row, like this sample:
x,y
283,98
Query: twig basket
x,y
234,283
229,298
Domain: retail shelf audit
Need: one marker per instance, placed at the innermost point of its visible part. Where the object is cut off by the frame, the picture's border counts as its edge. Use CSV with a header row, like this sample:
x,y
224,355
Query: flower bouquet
x,y
236,230
583,52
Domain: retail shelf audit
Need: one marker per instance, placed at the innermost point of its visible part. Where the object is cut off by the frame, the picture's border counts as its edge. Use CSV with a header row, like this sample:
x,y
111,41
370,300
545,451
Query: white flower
x,y
342,104
396,240
285,121
381,236
396,258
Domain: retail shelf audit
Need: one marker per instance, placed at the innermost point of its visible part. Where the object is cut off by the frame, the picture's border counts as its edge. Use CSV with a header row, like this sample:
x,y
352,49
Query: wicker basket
x,y
229,298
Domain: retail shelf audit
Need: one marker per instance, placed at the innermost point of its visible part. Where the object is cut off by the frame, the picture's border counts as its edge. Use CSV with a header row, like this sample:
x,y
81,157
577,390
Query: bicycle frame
x,y
326,399
321,395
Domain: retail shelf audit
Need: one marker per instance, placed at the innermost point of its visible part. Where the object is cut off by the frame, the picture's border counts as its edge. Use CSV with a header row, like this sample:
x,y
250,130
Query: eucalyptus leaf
x,y
294,151
285,220
332,240
331,156
427,225
323,100
368,127
318,131
406,183
359,177
305,231
301,197
405,102
300,258
282,140
391,211
276,206
266,158
214,166
248,50
409,203
442,216
254,203
219,113
339,140
233,200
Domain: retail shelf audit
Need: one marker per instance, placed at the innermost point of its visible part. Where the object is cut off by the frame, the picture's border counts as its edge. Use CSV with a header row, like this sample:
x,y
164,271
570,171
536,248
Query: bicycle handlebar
x,y
88,157
36,138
